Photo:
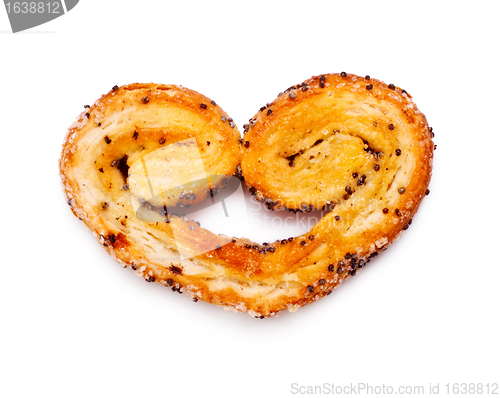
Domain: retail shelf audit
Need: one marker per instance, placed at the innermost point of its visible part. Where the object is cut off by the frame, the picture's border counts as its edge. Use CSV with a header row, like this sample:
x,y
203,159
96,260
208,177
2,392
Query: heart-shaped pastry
x,y
354,147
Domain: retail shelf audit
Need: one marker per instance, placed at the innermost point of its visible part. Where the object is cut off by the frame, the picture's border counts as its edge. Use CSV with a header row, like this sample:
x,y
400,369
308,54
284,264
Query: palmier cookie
x,y
355,148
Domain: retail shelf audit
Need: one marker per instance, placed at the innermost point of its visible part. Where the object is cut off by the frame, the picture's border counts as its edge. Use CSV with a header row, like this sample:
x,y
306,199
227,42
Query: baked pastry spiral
x,y
354,147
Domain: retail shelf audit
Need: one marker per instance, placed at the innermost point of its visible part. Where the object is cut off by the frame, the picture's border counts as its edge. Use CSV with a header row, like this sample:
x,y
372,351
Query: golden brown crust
x,y
352,145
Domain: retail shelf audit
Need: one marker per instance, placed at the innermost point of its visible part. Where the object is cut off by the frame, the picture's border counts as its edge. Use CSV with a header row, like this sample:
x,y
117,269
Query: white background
x,y
75,324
